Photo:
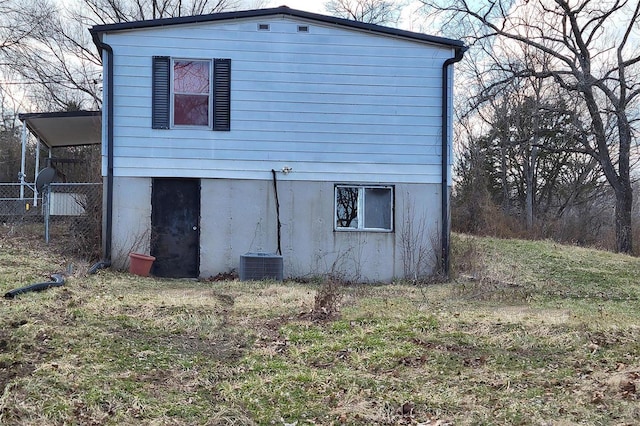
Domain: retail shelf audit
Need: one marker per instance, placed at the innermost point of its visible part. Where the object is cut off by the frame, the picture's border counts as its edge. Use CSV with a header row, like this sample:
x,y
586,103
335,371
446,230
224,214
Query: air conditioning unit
x,y
261,266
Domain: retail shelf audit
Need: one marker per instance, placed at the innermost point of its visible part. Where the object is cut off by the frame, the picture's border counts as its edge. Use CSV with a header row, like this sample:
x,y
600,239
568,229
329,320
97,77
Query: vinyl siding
x,y
332,104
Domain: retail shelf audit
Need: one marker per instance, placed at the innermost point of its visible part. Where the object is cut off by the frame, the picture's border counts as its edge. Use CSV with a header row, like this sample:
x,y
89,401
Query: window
x,y
364,208
191,92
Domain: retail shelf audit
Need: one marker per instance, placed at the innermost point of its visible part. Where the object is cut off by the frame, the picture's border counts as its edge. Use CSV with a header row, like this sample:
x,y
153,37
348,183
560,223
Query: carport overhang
x,y
57,130
62,129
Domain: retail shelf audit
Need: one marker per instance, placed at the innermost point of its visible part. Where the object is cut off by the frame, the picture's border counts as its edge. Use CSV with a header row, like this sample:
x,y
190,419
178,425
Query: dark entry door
x,y
175,227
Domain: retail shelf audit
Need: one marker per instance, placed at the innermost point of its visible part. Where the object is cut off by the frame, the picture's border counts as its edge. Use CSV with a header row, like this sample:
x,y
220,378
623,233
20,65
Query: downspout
x,y
446,229
108,222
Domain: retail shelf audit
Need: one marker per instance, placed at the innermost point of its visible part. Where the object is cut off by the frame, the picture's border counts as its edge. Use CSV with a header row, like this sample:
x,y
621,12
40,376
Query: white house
x,y
276,131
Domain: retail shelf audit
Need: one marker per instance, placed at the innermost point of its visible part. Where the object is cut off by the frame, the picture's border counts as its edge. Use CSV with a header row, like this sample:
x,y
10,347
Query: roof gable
x,y
97,30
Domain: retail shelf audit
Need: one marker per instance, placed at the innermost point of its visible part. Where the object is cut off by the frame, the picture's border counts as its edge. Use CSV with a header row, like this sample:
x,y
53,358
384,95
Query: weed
x,y
326,304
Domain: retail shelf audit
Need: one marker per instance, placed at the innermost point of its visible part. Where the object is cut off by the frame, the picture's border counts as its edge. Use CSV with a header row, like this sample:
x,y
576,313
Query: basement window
x,y
363,208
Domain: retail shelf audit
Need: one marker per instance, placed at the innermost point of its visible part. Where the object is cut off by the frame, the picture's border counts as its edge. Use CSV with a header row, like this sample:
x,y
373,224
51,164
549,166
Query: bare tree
x,y
58,62
382,12
60,65
10,131
15,32
96,12
14,29
594,58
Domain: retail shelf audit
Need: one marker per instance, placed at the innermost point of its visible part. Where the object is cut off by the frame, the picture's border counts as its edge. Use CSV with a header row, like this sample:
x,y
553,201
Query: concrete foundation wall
x,y
131,218
239,216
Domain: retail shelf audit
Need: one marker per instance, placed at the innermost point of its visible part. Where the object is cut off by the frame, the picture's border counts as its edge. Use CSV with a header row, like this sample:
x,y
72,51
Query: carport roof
x,y
60,129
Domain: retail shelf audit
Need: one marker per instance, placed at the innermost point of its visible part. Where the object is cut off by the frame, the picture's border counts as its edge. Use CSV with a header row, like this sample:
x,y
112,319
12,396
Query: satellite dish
x,y
45,177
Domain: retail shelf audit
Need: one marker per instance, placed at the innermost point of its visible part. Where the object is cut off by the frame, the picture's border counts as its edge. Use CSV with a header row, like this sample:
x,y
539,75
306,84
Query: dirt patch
x,y
224,276
227,346
10,371
625,384
225,299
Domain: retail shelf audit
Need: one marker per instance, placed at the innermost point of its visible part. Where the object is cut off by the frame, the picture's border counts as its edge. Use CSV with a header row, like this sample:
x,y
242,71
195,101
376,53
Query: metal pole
x,y
35,174
46,191
23,159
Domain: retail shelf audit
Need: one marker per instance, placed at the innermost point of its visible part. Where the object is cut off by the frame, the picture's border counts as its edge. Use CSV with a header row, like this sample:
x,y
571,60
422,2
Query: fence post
x,y
23,158
35,174
46,192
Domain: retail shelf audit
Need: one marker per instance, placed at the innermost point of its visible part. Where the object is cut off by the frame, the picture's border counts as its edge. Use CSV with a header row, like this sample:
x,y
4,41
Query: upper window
x,y
191,93
364,208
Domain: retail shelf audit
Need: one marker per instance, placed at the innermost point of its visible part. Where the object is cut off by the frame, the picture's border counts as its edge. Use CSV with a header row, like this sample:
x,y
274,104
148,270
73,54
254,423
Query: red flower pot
x,y
140,264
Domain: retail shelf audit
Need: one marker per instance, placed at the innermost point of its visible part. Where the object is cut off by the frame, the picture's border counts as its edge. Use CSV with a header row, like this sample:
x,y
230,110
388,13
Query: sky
x,y
316,6
408,21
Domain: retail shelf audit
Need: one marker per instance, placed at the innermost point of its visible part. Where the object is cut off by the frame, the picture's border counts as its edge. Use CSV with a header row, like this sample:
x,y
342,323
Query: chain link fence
x,y
67,215
17,201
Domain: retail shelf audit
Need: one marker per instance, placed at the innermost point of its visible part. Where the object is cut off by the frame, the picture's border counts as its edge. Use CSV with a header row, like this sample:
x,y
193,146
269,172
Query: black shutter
x,y
222,94
160,98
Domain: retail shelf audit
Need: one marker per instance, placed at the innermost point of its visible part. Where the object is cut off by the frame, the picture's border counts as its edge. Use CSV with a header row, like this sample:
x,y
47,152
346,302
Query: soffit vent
x,y
261,266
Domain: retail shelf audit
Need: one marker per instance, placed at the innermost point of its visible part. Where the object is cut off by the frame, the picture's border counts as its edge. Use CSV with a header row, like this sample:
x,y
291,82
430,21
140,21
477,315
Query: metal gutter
x,y
58,114
108,220
446,227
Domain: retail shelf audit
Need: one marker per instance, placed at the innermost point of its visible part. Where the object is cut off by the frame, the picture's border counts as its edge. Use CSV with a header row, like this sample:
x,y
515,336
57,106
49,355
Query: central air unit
x,y
261,266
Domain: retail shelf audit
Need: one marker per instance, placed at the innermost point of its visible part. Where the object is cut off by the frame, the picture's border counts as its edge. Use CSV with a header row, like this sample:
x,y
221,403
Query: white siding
x,y
331,101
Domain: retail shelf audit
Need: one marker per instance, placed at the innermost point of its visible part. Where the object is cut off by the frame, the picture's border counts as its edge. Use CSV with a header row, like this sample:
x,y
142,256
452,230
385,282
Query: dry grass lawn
x,y
528,333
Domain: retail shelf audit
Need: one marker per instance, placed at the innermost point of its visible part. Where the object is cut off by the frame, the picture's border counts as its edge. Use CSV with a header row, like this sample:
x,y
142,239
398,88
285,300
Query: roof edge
x,y
27,115
96,30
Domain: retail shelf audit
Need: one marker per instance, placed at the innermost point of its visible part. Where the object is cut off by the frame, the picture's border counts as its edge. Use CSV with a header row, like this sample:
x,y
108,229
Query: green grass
x,y
527,333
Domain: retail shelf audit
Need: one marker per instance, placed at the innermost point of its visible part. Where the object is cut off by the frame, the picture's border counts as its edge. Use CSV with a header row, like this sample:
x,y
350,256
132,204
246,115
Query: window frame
x,y
172,94
361,209
161,76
